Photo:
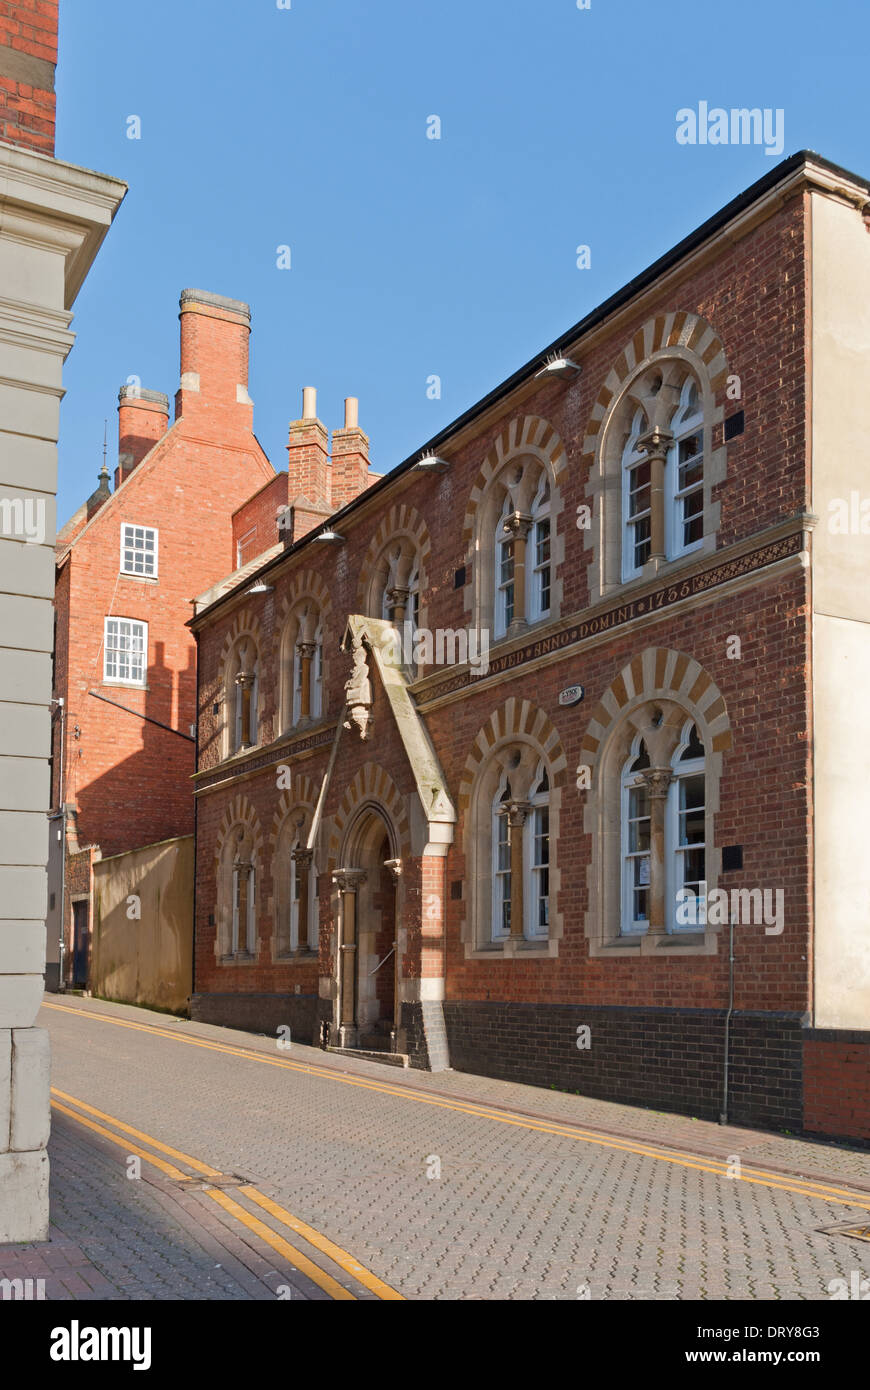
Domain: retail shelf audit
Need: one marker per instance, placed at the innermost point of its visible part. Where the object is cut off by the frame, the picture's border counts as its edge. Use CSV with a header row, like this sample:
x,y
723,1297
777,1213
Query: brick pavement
x,y
516,1213
113,1238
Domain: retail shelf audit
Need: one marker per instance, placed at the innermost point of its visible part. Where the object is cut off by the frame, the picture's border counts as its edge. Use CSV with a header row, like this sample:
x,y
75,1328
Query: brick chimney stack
x,y
214,360
350,458
308,456
143,419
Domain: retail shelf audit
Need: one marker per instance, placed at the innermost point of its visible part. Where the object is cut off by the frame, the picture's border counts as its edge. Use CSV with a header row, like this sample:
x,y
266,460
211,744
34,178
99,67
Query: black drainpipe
x,y
195,835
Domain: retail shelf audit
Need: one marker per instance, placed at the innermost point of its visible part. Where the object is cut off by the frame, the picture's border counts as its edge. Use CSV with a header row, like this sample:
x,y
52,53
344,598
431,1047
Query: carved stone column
x,y
397,602
302,859
655,444
518,524
306,655
395,868
242,905
348,882
245,680
517,812
658,780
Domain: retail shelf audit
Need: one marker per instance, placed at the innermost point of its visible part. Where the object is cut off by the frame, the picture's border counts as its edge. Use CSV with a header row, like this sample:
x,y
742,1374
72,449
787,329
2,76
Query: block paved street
x,y
358,1180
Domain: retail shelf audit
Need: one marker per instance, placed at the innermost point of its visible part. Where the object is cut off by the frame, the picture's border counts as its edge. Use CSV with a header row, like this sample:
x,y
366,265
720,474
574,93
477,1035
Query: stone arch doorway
x,y
368,974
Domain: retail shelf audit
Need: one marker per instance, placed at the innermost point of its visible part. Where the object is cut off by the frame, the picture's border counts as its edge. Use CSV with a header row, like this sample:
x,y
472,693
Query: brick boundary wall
x,y
836,1066
670,1059
260,1013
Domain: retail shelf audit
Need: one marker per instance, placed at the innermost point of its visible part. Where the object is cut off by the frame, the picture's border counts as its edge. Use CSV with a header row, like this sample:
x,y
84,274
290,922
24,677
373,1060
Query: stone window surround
x,y
515,486
662,782
300,628
519,758
690,345
525,439
239,837
232,669
603,819
403,527
306,591
294,829
239,845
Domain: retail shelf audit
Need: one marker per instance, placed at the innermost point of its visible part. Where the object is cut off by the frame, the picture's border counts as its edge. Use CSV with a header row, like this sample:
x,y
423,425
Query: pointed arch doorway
x,y
368,956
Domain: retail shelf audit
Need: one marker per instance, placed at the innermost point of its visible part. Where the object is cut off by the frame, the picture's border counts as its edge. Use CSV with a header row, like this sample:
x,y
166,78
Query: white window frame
x,y
683,425
629,925
632,458
146,530
501,621
248,536
294,901
540,803
412,610
675,857
535,569
110,679
296,712
501,878
316,675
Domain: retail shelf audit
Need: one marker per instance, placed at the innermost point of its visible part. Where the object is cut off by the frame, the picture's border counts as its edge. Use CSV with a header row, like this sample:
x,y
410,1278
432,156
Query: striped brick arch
x,y
300,796
399,521
517,727
244,624
374,787
306,584
680,331
520,721
654,696
240,812
528,434
659,673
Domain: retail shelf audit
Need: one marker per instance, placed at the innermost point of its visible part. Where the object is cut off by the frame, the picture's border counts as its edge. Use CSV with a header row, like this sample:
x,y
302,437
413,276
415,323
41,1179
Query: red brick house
x,y
128,563
493,762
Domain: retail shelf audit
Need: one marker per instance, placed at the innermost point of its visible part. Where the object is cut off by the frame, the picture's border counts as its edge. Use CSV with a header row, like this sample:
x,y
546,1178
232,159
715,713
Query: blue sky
x,y
307,127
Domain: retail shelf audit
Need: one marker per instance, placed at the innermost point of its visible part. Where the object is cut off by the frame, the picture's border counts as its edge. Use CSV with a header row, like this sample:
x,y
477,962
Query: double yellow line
x,y
278,1243
760,1177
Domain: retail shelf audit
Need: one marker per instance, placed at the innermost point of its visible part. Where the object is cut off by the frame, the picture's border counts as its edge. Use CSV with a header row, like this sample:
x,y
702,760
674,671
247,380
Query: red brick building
x,y
27,95
492,764
128,563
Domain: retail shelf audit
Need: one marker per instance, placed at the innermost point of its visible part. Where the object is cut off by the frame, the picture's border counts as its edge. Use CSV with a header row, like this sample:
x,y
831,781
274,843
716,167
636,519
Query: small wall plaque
x,y
572,696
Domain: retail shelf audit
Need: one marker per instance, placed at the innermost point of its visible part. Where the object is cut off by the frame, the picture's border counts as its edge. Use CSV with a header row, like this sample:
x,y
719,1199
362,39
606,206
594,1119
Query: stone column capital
x,y
516,812
518,524
655,442
658,781
302,856
349,880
